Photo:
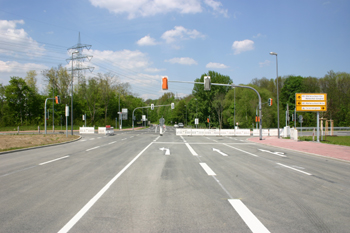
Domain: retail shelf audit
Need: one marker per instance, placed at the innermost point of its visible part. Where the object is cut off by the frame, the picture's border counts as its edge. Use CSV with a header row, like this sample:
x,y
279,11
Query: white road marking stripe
x,y
156,139
86,208
182,138
112,142
241,150
93,148
92,138
191,149
294,169
54,160
207,169
124,139
83,140
222,153
248,217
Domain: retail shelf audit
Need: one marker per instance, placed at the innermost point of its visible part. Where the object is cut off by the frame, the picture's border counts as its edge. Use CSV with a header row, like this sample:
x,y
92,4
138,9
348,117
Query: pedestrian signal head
x,y
172,105
152,106
165,83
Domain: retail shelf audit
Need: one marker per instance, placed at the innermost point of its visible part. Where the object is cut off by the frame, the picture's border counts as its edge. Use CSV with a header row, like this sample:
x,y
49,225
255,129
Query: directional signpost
x,y
307,102
311,102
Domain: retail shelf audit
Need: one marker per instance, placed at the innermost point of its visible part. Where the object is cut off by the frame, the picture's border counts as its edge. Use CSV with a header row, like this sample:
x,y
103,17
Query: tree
x,y
218,104
17,93
31,80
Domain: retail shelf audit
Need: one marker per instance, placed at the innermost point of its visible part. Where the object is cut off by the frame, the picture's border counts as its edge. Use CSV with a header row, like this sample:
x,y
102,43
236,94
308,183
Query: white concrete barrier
x,y
274,132
213,132
86,130
102,130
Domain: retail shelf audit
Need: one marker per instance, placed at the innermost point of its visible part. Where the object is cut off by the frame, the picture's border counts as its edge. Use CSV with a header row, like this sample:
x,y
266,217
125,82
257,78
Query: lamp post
x,y
278,109
72,94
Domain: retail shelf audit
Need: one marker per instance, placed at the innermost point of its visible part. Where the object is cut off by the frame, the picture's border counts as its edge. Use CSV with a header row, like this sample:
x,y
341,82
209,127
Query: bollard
x,y
17,129
38,129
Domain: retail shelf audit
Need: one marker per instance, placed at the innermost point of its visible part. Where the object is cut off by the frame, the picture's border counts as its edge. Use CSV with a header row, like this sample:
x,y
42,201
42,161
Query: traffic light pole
x,y
45,110
232,85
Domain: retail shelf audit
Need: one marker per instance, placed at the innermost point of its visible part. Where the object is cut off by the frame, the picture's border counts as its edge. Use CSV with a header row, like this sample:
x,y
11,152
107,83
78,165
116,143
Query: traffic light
x,y
165,83
208,120
207,84
58,99
152,106
269,101
172,105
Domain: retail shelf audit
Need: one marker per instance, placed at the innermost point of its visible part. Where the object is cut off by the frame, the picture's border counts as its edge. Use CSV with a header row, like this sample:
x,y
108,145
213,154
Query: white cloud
x,y
16,67
180,33
13,40
217,7
146,41
153,70
143,8
124,59
242,46
213,65
265,63
182,61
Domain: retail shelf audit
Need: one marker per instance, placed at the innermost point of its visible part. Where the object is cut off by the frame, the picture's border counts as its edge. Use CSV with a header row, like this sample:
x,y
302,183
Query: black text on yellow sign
x,y
311,102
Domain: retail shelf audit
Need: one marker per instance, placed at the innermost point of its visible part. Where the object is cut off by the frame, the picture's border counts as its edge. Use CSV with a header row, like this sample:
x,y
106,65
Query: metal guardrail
x,y
324,128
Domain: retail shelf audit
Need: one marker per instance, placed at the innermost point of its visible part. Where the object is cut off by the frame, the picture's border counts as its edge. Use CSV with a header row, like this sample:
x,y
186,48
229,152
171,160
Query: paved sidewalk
x,y
322,149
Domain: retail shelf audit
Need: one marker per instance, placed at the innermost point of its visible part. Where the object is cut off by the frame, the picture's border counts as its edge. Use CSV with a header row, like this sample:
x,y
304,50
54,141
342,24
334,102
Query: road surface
x,y
139,181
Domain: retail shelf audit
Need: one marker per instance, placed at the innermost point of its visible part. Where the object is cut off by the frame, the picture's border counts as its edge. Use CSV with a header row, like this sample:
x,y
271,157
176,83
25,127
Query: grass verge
x,y
335,140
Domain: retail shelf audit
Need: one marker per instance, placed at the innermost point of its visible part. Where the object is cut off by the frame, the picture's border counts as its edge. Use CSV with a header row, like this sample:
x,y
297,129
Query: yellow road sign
x,y
311,102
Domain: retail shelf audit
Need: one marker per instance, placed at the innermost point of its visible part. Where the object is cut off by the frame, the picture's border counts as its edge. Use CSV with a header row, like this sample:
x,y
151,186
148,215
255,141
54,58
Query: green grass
x,y
336,140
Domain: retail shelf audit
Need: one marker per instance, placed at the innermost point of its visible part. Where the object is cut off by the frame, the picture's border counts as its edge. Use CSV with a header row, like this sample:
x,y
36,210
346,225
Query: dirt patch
x,y
12,142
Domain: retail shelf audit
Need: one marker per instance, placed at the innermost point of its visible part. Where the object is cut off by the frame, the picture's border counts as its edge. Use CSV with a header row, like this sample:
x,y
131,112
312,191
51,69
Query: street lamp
x,y
72,94
278,109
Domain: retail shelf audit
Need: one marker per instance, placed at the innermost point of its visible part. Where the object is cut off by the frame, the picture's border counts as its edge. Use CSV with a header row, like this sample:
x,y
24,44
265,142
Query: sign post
x,y
67,115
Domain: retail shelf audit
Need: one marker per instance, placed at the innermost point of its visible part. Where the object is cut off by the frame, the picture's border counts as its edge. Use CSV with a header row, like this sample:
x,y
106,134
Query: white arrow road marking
x,y
217,150
167,151
275,153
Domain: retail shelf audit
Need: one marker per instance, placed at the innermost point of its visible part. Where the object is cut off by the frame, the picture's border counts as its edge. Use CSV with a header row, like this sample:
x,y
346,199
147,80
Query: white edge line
x,y
54,160
93,148
294,169
88,205
207,169
248,217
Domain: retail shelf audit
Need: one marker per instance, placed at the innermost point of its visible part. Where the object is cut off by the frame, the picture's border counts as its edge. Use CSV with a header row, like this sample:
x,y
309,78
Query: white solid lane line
x,y
248,217
86,208
93,148
54,160
294,169
207,169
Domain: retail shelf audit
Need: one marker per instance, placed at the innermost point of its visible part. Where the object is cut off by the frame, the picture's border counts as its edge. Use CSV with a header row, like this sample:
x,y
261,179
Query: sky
x,y
140,41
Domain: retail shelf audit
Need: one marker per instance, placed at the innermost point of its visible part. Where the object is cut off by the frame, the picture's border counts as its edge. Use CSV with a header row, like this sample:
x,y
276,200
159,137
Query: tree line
x,y
102,96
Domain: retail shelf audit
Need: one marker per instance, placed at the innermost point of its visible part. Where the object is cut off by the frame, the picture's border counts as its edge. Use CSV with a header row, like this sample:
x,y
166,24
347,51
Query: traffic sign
x,y
311,102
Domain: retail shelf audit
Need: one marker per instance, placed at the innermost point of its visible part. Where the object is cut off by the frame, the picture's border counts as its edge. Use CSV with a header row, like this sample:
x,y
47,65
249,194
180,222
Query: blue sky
x,y
142,40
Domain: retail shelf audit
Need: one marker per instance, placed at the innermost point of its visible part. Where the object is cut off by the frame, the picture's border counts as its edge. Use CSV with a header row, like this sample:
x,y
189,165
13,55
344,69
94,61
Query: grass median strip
x,y
14,142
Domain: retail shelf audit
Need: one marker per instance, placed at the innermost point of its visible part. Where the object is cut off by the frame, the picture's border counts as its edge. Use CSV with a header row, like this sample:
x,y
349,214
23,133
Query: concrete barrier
x,y
102,130
86,130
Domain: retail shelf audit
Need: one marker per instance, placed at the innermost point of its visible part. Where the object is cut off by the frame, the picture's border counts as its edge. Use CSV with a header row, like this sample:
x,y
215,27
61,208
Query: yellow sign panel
x,y
311,102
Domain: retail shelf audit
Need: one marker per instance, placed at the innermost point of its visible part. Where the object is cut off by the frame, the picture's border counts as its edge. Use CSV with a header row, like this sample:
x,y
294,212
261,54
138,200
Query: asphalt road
x,y
139,181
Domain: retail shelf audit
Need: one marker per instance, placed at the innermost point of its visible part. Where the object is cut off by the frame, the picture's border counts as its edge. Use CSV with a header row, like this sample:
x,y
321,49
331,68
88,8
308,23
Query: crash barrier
x,y
213,132
86,130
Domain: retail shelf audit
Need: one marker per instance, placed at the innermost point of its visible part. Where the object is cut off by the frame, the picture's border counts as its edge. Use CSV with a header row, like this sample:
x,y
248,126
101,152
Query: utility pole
x,y
79,58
